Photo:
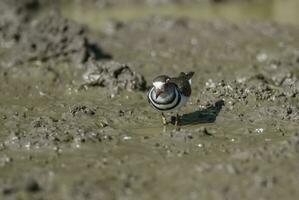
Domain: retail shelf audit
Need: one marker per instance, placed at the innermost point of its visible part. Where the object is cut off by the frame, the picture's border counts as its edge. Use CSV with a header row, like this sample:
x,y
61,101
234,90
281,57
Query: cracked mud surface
x,y
75,122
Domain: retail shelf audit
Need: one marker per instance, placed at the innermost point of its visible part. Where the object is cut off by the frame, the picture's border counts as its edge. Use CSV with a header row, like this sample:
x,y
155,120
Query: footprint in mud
x,y
207,115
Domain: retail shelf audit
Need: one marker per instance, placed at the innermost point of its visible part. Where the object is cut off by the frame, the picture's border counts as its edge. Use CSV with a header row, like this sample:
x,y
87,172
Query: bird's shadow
x,y
97,53
207,115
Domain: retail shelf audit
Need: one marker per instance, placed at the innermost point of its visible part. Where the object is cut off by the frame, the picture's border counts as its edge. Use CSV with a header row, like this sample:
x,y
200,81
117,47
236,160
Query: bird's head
x,y
160,84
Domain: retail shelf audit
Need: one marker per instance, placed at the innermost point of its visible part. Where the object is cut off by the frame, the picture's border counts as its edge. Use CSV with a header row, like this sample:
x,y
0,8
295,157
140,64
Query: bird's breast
x,y
164,103
163,98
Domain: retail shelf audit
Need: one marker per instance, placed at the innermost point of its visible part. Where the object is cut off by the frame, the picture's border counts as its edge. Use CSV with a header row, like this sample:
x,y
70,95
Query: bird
x,y
169,94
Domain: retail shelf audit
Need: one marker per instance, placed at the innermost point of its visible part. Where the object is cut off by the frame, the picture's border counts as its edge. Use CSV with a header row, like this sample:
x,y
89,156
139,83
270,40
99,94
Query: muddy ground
x,y
75,122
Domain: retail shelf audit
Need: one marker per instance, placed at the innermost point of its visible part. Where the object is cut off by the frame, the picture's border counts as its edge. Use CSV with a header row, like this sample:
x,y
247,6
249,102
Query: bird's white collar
x,y
158,84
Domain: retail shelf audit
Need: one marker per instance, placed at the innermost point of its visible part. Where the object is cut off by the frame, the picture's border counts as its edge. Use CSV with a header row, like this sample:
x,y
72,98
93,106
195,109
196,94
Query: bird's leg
x,y
163,119
177,120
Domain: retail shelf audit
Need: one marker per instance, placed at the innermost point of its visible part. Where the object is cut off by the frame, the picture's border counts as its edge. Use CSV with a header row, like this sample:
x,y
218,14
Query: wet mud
x,y
75,122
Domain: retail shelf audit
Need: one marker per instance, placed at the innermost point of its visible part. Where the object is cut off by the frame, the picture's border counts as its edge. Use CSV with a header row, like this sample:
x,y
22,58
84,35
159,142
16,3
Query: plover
x,y
169,94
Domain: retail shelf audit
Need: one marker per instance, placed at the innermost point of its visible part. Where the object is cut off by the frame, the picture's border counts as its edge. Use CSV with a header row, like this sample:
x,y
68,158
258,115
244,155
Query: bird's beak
x,y
158,92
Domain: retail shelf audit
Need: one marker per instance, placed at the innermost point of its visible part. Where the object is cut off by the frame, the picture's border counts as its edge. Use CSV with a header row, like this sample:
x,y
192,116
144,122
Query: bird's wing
x,y
187,76
182,83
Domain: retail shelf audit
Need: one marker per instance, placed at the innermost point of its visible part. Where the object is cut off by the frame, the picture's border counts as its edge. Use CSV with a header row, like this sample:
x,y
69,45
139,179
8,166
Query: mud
x,y
33,33
113,75
75,122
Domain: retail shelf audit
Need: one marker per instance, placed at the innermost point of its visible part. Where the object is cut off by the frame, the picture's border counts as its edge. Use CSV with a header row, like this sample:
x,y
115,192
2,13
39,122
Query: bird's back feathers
x,y
187,76
183,83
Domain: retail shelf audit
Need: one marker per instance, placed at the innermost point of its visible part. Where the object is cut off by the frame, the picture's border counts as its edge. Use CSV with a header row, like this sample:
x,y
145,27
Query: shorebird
x,y
169,94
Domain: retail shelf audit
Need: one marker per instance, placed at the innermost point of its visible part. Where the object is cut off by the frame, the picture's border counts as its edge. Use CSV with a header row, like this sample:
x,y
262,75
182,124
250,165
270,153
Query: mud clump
x,y
82,109
247,93
53,37
9,26
44,37
14,17
114,76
